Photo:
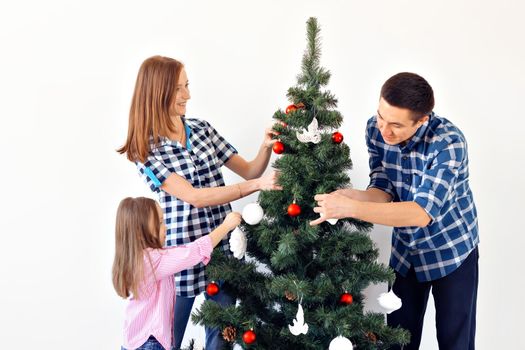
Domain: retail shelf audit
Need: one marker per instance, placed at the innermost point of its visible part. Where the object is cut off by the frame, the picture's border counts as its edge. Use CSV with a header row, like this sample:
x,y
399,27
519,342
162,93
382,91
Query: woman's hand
x,y
268,137
269,182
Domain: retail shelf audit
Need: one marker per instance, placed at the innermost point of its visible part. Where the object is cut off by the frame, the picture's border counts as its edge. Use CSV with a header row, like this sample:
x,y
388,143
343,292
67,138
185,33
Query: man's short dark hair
x,y
409,91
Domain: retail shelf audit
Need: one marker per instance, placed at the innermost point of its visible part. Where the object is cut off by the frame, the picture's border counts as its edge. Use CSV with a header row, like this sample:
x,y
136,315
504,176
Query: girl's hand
x,y
232,220
269,182
268,137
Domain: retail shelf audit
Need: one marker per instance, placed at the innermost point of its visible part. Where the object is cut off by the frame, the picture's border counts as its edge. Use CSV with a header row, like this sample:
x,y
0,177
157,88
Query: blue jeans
x,y
150,344
182,312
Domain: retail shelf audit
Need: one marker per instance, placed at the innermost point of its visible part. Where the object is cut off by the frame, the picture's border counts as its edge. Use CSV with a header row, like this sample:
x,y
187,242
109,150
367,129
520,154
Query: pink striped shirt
x,y
152,314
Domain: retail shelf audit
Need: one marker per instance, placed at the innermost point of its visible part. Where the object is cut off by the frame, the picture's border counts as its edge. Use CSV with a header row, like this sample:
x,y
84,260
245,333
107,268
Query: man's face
x,y
396,124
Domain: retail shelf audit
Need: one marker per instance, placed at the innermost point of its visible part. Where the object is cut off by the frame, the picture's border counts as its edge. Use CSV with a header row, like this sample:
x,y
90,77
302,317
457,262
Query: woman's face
x,y
182,95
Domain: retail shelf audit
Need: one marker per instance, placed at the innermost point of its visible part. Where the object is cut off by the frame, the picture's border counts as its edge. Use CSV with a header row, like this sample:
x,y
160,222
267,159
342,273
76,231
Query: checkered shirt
x,y
431,170
200,164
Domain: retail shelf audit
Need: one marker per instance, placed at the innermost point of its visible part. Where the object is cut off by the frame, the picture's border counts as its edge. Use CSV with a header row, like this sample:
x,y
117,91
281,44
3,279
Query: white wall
x,y
67,71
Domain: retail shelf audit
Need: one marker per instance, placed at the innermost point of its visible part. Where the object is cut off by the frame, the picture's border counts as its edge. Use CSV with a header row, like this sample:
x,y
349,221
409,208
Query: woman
x,y
181,159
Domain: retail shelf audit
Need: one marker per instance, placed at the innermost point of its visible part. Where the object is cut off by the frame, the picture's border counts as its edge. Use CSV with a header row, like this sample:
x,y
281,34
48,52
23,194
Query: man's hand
x,y
333,206
347,192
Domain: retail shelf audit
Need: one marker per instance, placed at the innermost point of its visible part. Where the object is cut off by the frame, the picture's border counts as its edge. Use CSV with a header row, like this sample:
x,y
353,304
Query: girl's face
x,y
182,95
162,226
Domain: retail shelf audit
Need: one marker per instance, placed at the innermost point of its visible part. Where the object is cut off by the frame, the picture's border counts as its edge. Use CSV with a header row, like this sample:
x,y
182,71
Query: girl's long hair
x,y
153,97
137,228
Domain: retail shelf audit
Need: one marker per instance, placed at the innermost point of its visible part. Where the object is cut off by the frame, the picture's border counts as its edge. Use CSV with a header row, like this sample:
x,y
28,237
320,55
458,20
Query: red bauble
x,y
284,124
212,289
291,108
294,209
346,299
337,137
249,337
278,147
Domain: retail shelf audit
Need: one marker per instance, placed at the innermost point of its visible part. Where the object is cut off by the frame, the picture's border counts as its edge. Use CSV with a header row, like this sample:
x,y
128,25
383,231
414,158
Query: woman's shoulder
x,y
197,123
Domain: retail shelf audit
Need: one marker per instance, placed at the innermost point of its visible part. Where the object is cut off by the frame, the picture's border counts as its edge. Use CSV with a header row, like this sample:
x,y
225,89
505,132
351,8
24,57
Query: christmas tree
x,y
296,270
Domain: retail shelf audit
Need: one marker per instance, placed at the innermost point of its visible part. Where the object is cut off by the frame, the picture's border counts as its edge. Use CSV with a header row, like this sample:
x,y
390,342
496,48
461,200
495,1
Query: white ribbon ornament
x,y
331,221
341,343
313,134
389,301
299,326
238,243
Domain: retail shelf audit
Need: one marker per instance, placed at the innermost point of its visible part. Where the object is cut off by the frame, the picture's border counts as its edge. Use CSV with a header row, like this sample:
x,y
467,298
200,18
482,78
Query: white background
x,y
67,71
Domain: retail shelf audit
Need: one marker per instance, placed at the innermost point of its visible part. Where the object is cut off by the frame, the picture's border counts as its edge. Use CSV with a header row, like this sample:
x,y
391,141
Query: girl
x,y
181,159
144,270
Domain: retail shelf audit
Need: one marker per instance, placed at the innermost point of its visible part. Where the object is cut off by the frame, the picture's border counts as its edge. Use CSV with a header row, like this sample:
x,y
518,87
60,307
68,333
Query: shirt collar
x,y
190,127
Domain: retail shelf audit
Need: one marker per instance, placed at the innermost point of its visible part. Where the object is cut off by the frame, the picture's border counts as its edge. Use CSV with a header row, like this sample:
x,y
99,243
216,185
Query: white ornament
x,y
341,343
389,301
313,134
252,213
331,221
238,243
299,326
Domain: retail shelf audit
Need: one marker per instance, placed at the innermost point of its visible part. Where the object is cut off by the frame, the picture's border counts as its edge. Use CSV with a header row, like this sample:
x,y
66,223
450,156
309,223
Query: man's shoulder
x,y
442,130
371,128
371,123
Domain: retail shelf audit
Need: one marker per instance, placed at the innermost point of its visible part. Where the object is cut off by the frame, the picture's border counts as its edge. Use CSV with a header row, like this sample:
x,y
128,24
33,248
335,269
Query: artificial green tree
x,y
293,263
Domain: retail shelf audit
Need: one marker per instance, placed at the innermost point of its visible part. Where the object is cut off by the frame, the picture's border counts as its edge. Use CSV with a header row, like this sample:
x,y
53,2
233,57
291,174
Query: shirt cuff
x,y
205,248
383,186
428,206
228,153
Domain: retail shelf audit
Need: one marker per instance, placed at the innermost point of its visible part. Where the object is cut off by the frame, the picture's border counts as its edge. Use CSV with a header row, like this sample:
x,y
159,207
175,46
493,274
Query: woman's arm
x,y
255,168
179,187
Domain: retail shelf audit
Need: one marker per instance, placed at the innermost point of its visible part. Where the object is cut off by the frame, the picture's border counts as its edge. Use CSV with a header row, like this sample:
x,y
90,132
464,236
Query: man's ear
x,y
423,120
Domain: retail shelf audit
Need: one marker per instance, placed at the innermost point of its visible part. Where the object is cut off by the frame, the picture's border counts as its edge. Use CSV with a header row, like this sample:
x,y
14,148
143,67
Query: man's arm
x,y
369,195
399,214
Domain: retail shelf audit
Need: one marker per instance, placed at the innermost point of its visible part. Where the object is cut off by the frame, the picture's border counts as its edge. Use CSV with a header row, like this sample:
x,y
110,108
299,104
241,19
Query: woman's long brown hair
x,y
136,229
153,97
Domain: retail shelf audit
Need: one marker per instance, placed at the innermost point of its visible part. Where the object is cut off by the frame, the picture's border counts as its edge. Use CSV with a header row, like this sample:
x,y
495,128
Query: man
x,y
419,185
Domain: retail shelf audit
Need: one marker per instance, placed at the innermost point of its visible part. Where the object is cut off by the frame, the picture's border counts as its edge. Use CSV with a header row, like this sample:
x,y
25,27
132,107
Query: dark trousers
x,y
182,313
455,301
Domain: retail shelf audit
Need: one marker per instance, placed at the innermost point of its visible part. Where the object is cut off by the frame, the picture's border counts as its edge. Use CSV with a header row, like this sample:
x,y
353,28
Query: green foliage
x,y
291,261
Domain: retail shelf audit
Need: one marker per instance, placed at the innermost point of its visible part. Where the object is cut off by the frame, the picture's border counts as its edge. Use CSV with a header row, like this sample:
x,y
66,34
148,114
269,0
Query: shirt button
x,y
407,180
405,157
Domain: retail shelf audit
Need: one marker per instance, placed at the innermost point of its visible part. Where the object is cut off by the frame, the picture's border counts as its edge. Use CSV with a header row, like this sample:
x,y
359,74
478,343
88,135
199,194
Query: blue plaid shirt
x,y
431,169
199,162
